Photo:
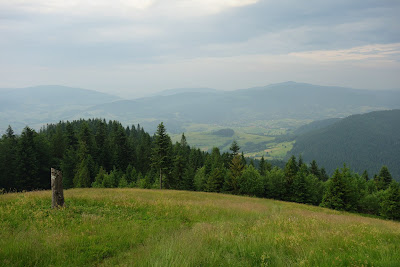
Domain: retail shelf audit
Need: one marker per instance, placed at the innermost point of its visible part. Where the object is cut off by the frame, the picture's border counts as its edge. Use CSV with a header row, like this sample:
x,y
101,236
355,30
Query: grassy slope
x,y
176,228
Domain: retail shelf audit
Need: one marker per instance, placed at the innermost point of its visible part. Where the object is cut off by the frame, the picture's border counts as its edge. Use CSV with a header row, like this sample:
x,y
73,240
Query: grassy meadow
x,y
256,139
273,151
137,227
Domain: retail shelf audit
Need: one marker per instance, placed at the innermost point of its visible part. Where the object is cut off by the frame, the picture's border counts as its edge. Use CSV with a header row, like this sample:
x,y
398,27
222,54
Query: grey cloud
x,y
268,27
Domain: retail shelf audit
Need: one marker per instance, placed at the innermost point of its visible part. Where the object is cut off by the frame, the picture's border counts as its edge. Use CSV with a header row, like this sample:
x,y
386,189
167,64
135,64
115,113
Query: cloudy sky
x,y
137,47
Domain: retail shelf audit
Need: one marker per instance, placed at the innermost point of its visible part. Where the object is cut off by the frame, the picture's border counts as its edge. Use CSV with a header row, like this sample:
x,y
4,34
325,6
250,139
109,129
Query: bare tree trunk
x,y
57,189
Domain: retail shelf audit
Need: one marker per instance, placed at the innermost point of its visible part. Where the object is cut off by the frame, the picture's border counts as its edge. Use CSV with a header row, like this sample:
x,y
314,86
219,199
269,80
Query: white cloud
x,y
125,8
205,7
76,6
387,52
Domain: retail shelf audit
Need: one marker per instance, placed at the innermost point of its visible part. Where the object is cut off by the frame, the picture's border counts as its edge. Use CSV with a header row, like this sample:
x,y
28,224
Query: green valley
x,y
256,139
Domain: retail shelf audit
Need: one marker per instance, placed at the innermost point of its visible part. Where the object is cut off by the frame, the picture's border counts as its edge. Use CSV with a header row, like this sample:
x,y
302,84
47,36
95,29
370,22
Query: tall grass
x,y
133,227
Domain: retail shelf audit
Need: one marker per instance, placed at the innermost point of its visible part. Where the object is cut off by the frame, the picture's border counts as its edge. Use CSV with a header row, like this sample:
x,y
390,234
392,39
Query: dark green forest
x,y
96,153
364,142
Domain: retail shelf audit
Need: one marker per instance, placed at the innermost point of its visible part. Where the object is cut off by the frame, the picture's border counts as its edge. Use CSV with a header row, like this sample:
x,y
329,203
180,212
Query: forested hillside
x,y
96,153
364,142
315,125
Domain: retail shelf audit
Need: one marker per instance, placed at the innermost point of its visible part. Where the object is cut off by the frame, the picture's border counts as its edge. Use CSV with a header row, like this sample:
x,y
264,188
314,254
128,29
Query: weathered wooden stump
x,y
57,189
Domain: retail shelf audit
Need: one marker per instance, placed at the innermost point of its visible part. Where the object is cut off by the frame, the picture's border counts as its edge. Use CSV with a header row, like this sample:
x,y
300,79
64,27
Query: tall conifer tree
x,y
160,157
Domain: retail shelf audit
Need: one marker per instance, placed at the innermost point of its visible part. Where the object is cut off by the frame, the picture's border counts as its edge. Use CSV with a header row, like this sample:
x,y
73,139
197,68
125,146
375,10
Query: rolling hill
x,y
365,142
136,227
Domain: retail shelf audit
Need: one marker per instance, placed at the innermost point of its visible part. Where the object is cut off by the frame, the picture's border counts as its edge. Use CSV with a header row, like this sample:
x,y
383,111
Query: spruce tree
x,y
277,181
300,187
44,160
334,193
234,148
291,169
183,142
58,146
216,159
235,172
144,154
300,162
98,181
324,176
82,176
178,172
86,136
85,172
103,146
122,151
390,206
71,139
68,167
215,180
341,192
161,155
365,175
384,178
27,161
314,170
262,166
8,160
200,179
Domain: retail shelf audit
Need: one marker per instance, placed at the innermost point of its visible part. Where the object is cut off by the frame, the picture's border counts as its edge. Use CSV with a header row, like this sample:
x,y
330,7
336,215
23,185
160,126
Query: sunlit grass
x,y
177,228
273,151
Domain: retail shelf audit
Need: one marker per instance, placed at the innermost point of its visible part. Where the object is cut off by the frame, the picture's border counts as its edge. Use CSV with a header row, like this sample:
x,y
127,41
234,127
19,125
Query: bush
x,y
370,203
251,182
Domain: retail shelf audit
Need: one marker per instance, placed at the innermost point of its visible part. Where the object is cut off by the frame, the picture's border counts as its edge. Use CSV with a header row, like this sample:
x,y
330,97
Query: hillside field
x,y
136,227
255,139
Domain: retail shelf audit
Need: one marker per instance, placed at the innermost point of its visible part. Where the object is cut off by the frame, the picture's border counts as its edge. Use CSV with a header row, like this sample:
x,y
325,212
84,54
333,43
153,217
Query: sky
x,y
137,47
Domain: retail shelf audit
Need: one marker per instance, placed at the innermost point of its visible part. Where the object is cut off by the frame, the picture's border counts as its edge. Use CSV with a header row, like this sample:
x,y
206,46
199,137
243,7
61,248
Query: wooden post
x,y
57,189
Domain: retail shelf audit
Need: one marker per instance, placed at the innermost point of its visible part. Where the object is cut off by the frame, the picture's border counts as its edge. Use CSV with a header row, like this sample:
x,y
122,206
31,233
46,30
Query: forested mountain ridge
x,y
315,125
364,142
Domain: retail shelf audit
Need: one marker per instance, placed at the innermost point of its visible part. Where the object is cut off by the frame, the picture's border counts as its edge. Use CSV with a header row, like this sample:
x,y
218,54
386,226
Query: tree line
x,y
96,153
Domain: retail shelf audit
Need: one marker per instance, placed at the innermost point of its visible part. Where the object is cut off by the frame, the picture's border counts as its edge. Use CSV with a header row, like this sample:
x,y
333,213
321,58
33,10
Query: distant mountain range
x,y
363,142
36,106
278,101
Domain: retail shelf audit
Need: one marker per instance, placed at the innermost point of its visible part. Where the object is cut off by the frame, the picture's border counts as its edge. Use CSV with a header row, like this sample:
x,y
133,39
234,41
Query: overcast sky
x,y
137,47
